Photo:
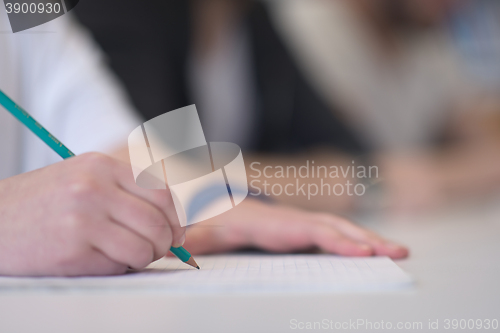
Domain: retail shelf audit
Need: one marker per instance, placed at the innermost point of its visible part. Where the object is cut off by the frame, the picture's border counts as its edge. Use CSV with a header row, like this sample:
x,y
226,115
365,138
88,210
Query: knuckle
x,y
96,160
73,225
83,188
161,197
155,219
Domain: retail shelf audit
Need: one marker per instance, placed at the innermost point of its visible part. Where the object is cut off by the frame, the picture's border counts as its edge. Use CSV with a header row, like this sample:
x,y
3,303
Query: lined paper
x,y
243,273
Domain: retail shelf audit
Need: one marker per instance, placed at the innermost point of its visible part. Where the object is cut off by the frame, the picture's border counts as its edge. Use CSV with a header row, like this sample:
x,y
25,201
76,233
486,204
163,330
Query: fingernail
x,y
180,242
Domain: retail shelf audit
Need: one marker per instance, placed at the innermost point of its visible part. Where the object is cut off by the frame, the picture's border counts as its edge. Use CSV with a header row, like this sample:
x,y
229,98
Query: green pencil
x,y
65,153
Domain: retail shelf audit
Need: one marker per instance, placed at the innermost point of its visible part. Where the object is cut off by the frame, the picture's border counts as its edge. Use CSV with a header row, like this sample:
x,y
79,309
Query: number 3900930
x,y
33,8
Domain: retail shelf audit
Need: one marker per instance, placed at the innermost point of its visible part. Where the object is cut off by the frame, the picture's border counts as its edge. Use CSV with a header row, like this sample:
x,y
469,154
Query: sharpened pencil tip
x,y
192,263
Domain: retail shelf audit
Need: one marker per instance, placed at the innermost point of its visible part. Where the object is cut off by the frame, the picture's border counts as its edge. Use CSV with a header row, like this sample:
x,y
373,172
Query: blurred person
x,y
475,27
251,91
85,215
227,58
322,81
389,73
401,85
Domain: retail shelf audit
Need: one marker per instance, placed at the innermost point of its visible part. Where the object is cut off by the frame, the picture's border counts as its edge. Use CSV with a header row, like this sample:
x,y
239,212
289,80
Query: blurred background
x,y
409,86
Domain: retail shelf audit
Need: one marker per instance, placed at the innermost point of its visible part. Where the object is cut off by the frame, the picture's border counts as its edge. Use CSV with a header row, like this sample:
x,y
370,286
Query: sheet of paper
x,y
242,273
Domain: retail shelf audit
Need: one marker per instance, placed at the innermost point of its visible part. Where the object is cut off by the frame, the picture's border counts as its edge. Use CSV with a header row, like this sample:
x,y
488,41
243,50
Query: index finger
x,y
162,199
380,245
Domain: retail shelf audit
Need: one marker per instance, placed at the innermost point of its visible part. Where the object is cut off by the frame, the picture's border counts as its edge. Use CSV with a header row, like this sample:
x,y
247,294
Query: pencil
x,y
56,145
184,256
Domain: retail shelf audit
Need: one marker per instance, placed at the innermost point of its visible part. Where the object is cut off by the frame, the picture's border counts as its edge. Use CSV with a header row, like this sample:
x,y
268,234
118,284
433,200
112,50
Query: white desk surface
x,y
454,259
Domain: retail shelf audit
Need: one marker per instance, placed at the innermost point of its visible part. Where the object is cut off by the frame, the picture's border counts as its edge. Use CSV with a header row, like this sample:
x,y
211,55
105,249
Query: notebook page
x,y
243,273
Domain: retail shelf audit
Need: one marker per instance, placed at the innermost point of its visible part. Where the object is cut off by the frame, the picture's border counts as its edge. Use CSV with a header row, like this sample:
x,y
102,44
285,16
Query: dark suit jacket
x,y
147,43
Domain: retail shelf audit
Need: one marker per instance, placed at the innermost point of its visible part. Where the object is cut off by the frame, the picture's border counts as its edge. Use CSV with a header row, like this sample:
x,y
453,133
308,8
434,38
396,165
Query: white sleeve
x,y
68,89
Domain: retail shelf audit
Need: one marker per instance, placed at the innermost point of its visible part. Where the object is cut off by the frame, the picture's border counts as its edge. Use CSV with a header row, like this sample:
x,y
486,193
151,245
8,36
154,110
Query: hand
x,y
424,181
285,229
83,216
413,182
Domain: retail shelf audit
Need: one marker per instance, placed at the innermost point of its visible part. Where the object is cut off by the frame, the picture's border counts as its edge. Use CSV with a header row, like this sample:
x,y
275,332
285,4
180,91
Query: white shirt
x,y
57,74
221,84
